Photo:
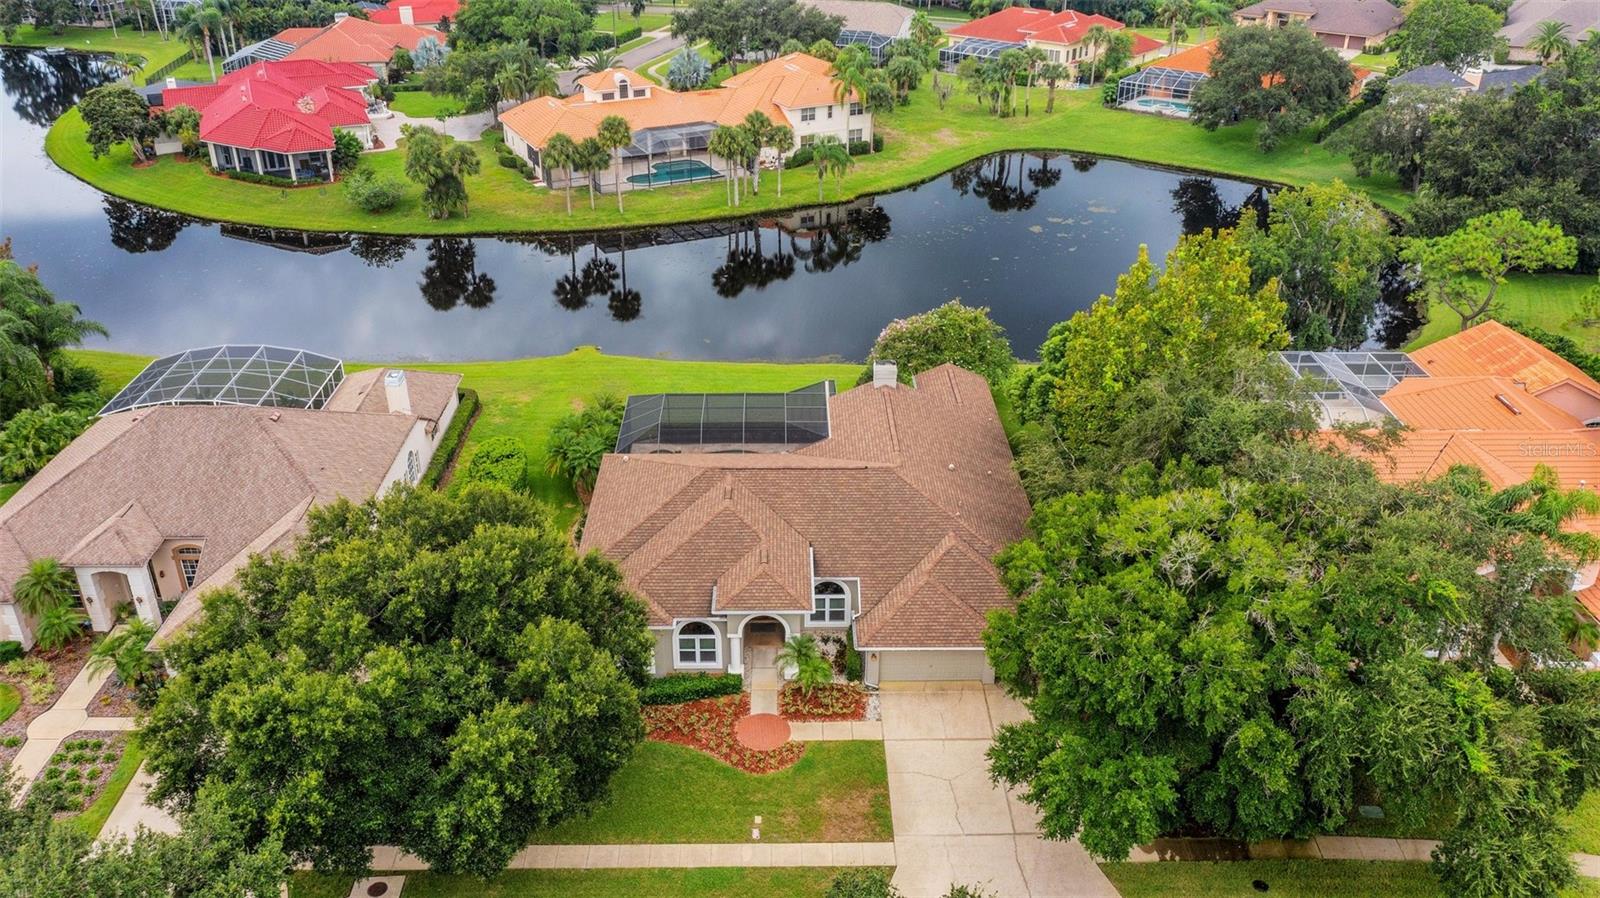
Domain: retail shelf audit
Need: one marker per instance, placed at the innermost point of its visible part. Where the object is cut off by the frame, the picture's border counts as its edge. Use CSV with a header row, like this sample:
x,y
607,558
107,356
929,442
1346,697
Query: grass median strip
x,y
1286,879
712,882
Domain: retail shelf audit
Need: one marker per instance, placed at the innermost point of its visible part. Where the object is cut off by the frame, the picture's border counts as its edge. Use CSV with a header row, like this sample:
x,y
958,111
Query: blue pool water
x,y
676,170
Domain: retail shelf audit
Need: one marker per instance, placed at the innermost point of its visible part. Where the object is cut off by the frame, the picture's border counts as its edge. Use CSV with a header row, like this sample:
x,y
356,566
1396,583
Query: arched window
x,y
830,603
188,559
699,645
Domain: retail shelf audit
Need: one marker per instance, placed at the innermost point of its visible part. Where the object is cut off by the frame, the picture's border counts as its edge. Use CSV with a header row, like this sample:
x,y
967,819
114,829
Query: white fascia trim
x,y
930,648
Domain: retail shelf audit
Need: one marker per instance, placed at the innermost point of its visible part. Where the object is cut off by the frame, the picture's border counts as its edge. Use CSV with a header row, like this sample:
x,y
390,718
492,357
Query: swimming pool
x,y
673,171
1162,107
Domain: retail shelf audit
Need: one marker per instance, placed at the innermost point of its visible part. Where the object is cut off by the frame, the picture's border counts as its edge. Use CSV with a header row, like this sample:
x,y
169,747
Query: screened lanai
x,y
1348,385
726,422
234,374
1159,90
875,43
670,154
977,48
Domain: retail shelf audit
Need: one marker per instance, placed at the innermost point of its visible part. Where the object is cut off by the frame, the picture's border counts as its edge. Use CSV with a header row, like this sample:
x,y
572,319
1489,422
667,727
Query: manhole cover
x,y
378,888
1259,885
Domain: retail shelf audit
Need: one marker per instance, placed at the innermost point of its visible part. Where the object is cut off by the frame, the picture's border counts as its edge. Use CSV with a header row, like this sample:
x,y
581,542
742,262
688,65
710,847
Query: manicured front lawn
x,y
1285,879
922,141
1584,823
1543,300
714,882
650,21
149,46
838,792
422,104
10,701
93,818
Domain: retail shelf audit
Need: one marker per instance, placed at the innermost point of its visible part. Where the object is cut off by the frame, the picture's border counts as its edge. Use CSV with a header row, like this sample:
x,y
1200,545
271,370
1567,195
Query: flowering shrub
x,y
952,332
834,701
707,725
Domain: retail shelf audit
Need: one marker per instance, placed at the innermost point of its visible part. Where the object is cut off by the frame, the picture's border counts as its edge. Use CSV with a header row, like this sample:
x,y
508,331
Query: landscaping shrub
x,y
600,40
501,460
862,883
10,650
33,436
679,688
347,149
1371,95
708,726
580,440
830,701
854,665
373,193
799,158
963,335
250,177
450,443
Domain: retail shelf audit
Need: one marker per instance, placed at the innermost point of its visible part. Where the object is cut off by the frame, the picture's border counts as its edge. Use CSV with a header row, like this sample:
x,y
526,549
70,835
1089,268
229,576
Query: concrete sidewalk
x,y
70,714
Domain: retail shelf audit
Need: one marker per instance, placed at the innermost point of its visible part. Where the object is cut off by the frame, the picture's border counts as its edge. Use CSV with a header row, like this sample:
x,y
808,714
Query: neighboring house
x,y
1166,86
416,12
743,519
277,118
348,39
1352,25
1525,16
868,23
1061,35
1470,81
671,129
1487,397
206,457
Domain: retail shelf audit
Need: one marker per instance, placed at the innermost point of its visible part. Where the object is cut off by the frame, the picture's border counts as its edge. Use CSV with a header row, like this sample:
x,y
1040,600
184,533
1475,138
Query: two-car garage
x,y
896,664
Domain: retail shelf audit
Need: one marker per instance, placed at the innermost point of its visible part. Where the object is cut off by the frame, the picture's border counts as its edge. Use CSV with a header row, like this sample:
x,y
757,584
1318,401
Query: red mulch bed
x,y
63,667
708,725
835,701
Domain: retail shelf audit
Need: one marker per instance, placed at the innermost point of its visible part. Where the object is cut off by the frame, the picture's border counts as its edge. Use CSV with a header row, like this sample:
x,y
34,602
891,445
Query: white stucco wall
x,y
13,627
839,125
418,441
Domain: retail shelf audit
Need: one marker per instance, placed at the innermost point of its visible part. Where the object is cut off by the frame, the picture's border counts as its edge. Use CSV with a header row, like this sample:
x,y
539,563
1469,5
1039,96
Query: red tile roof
x,y
286,107
355,40
423,12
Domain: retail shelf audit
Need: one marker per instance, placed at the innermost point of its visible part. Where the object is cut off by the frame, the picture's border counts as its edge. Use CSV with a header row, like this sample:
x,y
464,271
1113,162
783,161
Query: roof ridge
x,y
902,592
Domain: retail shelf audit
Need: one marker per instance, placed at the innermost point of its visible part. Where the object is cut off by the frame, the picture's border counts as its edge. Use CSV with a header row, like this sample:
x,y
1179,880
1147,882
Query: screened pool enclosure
x,y
234,374
981,49
726,422
1159,90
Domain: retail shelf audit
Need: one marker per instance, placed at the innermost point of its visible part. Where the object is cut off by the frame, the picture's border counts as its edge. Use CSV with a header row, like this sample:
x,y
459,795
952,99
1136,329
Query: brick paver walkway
x,y
762,732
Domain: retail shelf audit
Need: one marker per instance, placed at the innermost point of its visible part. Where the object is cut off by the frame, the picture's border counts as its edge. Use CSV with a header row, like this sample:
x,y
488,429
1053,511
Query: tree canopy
x,y
553,27
954,333
115,114
739,27
1284,78
438,672
1454,33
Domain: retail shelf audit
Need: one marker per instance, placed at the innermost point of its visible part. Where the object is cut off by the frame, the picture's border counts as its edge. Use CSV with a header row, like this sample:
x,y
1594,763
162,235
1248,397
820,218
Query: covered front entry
x,y
105,590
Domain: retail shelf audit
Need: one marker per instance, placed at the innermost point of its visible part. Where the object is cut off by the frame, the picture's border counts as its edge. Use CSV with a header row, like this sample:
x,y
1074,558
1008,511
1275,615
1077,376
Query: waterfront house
x,y
743,519
1346,25
347,39
1061,35
671,129
204,458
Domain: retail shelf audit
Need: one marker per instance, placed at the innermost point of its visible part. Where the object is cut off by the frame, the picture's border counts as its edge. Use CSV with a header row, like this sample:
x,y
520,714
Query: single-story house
x,y
1477,80
1061,35
744,519
347,39
416,12
1525,16
1487,397
1166,86
671,129
872,24
204,458
1351,25
278,118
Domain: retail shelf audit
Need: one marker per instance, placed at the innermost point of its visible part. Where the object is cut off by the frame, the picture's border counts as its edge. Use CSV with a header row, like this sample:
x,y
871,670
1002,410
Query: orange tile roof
x,y
355,40
1473,403
1493,348
1194,59
913,492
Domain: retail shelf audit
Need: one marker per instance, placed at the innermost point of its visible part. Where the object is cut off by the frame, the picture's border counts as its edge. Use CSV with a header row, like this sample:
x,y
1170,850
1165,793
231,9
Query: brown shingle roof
x,y
912,493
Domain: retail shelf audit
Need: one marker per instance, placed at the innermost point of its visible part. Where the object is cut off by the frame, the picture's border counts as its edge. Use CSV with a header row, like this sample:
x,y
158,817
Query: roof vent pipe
x,y
396,391
885,374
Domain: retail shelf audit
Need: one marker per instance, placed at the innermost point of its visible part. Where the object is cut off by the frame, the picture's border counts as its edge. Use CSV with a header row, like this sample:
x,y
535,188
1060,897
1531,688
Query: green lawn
x,y
1377,62
149,46
1583,821
1285,879
7,490
93,818
838,792
10,701
650,21
422,104
715,882
523,398
195,70
922,142
1543,300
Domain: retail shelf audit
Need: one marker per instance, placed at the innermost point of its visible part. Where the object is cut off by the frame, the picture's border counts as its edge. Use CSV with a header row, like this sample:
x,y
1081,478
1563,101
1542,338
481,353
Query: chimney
x,y
885,374
406,16
395,390
171,81
1473,77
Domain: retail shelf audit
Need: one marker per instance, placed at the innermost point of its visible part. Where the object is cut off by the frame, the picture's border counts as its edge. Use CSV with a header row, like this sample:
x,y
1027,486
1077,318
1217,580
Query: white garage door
x,y
934,665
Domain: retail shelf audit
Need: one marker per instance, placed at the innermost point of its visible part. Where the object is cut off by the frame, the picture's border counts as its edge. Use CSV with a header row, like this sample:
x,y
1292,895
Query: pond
x,y
1034,236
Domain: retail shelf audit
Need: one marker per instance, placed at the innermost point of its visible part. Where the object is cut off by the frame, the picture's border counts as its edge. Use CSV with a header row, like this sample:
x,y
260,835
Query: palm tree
x,y
781,139
1053,73
1032,58
197,23
1097,37
724,144
511,81
758,132
1550,40
126,653
598,61
462,160
592,159
57,627
1173,14
1541,507
561,152
829,155
44,586
615,133
801,655
1209,12
52,327
852,73
542,80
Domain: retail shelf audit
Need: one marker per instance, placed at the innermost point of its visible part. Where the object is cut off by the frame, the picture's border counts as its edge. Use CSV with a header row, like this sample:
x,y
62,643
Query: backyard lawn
x,y
1286,879
423,104
838,792
922,141
714,882
1544,300
650,21
148,46
1583,821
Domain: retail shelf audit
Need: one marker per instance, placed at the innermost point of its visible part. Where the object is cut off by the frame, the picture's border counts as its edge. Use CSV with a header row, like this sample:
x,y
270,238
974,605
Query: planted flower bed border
x,y
707,725
835,701
81,767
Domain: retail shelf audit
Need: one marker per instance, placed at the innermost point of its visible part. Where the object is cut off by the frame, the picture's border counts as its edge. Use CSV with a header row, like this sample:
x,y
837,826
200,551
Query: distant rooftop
x,y
726,422
233,374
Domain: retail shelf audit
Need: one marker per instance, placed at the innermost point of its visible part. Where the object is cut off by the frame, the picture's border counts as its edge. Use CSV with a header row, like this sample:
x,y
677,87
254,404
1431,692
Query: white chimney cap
x,y
885,374
171,81
394,377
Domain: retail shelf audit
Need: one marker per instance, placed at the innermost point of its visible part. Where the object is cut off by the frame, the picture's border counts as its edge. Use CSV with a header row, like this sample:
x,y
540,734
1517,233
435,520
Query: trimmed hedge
x,y
601,40
1370,97
10,650
454,435
502,460
250,177
798,159
859,147
854,665
1587,362
675,689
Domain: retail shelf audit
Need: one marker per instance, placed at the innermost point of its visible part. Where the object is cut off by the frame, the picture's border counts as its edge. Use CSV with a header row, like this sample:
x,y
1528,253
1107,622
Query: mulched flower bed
x,y
707,725
41,694
113,700
835,701
80,768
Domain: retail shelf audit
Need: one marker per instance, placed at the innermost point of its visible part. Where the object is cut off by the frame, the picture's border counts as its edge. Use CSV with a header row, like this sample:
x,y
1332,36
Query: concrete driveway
x,y
950,824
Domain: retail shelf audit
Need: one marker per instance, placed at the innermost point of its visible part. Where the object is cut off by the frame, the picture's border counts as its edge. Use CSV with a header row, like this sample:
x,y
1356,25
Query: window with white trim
x,y
698,645
855,108
808,114
413,466
830,603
